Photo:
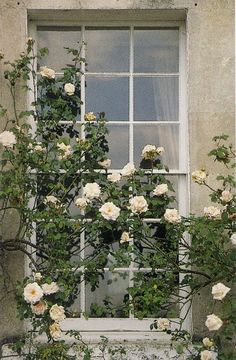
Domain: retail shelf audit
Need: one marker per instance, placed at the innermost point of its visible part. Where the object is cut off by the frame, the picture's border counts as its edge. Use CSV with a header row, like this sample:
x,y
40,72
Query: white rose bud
x,y
114,177
89,116
138,204
212,212
125,237
207,342
46,72
199,176
37,276
105,164
57,313
160,189
128,170
39,308
160,150
219,291
69,89
172,216
51,288
92,191
81,203
163,324
226,196
233,239
33,293
7,139
109,211
213,322
55,331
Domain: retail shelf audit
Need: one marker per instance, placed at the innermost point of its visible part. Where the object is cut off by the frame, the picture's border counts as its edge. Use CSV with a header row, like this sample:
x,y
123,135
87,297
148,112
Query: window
x,y
136,75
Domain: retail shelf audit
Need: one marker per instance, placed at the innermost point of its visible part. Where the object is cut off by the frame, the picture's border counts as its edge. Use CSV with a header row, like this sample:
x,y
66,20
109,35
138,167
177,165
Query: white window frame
x,y
132,328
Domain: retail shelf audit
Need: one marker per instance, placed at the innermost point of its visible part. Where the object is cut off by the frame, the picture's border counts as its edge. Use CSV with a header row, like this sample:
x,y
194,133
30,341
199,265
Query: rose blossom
x,y
207,355
172,216
233,239
213,322
163,324
92,190
39,308
109,211
55,331
105,164
7,139
51,288
226,196
33,293
160,150
50,199
149,152
219,291
138,204
46,72
128,170
114,177
37,276
199,176
57,313
207,342
160,189
89,116
81,203
69,89
65,149
211,211
125,237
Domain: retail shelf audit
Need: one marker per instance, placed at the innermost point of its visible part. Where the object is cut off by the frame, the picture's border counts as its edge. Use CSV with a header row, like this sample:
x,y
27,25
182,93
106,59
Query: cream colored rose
x,y
37,276
138,204
114,177
233,239
105,164
149,152
172,216
219,291
57,313
69,89
125,237
65,149
7,139
207,342
55,331
81,203
163,324
92,191
226,196
109,211
50,199
33,293
89,116
46,72
160,189
199,176
212,212
207,355
128,170
51,288
39,308
213,322
160,150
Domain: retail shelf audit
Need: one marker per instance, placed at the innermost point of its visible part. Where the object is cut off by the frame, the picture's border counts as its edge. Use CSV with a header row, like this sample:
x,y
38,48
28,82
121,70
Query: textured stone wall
x,y
210,100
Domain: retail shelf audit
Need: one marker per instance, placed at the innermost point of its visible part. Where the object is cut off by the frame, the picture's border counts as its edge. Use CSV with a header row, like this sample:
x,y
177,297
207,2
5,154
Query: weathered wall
x,y
210,85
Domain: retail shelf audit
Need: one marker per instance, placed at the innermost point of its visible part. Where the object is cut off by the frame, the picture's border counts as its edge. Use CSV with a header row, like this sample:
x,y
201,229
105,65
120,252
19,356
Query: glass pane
x,y
118,140
109,95
161,135
156,98
110,298
107,49
156,50
55,40
75,308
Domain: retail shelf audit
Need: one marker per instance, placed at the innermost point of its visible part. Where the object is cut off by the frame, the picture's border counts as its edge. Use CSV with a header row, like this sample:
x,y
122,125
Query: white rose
x,y
125,237
219,291
160,189
69,89
199,176
105,163
207,342
138,204
211,212
172,216
128,170
149,152
39,308
7,139
37,276
81,203
208,355
65,149
233,239
89,116
160,150
163,324
46,72
92,190
57,313
50,199
55,331
33,293
226,196
51,288
114,177
109,211
213,322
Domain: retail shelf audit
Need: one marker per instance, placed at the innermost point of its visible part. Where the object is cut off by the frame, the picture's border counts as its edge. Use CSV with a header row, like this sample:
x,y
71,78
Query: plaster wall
x,y
210,87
